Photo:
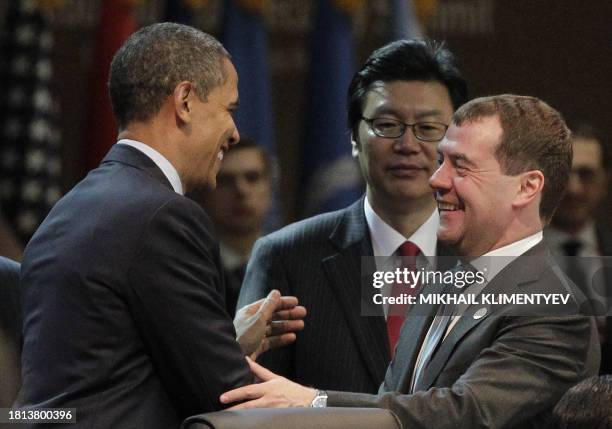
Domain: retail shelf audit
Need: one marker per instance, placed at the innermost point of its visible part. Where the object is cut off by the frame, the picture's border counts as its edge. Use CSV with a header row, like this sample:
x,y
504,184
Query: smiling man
x,y
123,294
503,165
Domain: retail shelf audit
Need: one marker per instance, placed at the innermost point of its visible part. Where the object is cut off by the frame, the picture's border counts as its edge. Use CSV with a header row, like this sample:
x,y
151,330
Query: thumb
x,y
270,305
260,372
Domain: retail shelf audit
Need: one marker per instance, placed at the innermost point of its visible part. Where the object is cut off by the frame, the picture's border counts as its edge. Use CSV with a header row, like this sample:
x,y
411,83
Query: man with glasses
x,y
576,237
399,107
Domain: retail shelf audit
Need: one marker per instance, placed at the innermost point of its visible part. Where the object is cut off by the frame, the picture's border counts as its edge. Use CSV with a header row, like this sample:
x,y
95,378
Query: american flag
x,y
30,163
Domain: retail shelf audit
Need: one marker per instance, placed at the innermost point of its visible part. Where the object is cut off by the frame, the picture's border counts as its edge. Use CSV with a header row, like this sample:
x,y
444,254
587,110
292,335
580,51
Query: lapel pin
x,y
480,313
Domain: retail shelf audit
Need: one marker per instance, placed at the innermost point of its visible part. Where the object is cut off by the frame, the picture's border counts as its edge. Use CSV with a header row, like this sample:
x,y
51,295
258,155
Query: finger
x,y
252,391
257,403
298,312
288,302
278,327
270,305
279,341
261,372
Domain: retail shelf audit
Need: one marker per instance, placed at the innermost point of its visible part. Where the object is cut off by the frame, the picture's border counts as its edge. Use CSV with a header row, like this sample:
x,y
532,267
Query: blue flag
x,y
330,177
245,38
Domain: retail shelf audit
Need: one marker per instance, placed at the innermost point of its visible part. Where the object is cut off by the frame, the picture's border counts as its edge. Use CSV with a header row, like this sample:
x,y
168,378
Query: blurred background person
x,y
578,238
587,405
238,207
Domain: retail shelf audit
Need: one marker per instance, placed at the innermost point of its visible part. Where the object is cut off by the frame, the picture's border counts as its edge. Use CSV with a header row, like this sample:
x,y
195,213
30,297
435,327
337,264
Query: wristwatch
x,y
320,399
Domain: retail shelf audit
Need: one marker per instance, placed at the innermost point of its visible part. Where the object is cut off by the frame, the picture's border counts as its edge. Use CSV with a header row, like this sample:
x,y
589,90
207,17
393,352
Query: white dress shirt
x,y
159,160
386,240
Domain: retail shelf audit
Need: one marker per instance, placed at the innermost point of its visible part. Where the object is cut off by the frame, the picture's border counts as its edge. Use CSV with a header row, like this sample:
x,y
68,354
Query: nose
x,y
235,137
242,186
440,180
575,186
407,143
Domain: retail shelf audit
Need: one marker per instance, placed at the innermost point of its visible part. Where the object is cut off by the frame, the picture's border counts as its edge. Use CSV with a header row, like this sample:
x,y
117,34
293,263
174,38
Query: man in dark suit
x,y
399,106
503,165
123,293
10,331
578,240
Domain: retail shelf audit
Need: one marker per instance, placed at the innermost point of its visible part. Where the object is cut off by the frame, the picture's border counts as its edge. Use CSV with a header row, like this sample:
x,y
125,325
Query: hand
x,y
268,323
274,392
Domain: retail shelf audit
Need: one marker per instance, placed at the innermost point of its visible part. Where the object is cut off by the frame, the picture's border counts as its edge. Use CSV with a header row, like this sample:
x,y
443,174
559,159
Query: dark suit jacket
x,y
604,237
319,260
123,304
498,371
10,332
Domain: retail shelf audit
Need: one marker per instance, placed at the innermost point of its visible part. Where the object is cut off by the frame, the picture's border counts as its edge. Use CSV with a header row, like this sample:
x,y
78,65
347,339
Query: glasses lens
x,y
429,131
384,127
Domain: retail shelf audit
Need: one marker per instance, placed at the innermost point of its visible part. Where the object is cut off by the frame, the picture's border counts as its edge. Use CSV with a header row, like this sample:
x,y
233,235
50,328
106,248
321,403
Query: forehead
x,y
587,152
227,92
407,99
237,161
476,140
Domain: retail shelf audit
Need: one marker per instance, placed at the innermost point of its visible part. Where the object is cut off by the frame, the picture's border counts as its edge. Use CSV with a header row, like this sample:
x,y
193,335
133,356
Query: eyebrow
x,y
385,110
426,113
459,157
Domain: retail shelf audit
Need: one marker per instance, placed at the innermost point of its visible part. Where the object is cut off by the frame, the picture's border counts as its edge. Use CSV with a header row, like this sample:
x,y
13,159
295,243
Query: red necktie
x,y
397,312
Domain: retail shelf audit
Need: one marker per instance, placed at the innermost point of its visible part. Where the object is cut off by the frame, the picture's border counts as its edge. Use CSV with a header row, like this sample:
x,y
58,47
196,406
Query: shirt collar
x,y
229,258
491,263
386,240
164,165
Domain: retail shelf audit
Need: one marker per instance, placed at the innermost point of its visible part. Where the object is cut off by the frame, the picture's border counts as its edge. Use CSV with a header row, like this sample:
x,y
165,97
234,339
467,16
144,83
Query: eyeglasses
x,y
392,129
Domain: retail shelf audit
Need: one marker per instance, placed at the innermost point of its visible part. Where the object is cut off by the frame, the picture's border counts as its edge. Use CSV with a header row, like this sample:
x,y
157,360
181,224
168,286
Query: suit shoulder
x,y
314,228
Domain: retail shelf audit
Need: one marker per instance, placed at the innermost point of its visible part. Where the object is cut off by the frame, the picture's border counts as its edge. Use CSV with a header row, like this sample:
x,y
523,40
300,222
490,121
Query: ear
x,y
182,98
354,146
531,184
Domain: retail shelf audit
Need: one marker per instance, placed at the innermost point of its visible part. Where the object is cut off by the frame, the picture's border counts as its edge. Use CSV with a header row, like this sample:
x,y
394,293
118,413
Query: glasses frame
x,y
370,122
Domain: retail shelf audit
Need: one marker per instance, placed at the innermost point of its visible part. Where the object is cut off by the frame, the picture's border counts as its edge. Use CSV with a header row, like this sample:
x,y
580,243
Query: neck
x,y
404,216
239,243
157,135
517,231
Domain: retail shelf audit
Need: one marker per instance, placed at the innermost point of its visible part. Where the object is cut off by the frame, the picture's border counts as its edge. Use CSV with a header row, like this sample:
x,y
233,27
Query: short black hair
x,y
149,65
406,60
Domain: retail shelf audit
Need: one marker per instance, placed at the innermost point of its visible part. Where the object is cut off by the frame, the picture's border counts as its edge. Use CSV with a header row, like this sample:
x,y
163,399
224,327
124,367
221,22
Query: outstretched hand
x,y
268,323
274,391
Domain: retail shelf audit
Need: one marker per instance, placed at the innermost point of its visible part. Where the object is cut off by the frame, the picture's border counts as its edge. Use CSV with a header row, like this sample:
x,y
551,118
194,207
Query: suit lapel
x,y
352,286
523,269
413,333
416,326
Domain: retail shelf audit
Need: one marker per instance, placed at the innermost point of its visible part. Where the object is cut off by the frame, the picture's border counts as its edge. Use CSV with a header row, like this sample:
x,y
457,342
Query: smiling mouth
x,y
448,207
222,151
